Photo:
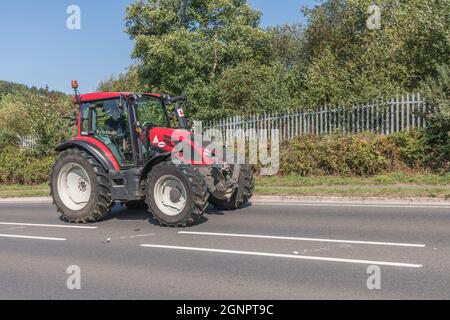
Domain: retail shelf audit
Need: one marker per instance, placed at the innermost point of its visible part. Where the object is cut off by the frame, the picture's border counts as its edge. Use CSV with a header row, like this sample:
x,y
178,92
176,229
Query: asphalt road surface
x,y
284,250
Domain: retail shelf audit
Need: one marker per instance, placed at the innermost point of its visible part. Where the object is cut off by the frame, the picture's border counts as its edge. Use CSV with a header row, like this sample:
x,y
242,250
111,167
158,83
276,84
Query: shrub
x,y
360,155
405,149
8,138
20,166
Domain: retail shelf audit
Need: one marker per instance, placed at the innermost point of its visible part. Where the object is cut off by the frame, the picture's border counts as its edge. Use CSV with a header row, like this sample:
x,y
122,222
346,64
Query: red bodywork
x,y
167,139
95,96
164,138
102,147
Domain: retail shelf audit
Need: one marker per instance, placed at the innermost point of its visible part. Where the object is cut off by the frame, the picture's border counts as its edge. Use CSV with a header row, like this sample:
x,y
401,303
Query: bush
x,y
21,167
360,155
405,149
8,138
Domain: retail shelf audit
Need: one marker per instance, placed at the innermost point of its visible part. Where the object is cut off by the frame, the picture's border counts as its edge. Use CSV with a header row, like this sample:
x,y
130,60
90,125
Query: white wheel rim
x,y
74,186
170,195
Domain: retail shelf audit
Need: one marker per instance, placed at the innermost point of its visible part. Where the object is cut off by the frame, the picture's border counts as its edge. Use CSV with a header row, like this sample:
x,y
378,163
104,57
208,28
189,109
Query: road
x,y
287,250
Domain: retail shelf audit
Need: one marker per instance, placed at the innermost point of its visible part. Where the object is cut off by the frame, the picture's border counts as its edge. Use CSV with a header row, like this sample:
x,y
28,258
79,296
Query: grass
x,y
15,191
396,185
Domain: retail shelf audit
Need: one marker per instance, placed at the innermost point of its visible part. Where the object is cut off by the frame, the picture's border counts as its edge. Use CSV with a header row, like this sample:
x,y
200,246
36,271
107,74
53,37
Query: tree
x,y
185,46
362,64
129,81
287,44
200,47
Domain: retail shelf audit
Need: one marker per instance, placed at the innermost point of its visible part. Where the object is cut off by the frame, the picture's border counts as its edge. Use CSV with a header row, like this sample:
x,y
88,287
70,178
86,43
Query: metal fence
x,y
401,113
28,142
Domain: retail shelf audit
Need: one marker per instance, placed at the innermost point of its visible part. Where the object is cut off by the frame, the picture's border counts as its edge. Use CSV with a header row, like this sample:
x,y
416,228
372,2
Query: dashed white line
x,y
46,225
286,256
303,239
31,237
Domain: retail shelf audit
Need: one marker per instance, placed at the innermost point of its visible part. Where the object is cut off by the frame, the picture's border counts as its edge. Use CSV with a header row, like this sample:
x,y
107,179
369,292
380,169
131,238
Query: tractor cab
x,y
124,122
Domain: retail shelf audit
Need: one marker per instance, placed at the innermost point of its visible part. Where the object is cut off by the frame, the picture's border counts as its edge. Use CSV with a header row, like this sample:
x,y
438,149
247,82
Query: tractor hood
x,y
180,141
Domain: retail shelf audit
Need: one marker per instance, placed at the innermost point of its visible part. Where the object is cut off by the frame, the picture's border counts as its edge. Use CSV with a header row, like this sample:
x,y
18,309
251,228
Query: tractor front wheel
x,y
177,195
80,187
241,195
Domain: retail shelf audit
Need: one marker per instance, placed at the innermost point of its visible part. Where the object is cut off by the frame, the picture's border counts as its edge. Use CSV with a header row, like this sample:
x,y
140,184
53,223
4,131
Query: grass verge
x,y
395,185
16,191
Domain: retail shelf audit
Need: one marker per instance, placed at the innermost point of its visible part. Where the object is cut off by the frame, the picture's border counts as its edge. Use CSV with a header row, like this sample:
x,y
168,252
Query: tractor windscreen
x,y
151,112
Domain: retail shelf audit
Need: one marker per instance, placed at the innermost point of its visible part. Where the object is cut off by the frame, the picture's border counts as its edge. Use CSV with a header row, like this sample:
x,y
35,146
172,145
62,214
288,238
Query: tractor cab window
x,y
109,123
151,112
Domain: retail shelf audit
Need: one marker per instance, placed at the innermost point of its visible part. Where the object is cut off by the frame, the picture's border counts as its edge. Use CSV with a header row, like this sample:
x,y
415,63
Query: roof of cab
x,y
95,96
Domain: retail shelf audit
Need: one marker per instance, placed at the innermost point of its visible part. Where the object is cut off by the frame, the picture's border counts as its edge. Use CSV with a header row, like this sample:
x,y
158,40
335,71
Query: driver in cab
x,y
115,125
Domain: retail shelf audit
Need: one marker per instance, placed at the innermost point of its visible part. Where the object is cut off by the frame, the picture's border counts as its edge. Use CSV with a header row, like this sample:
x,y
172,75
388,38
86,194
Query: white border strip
x,y
46,225
303,239
287,256
30,237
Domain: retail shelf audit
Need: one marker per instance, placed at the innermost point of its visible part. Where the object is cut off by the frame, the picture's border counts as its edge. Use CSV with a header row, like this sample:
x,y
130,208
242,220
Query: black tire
x,y
196,194
99,204
242,194
136,205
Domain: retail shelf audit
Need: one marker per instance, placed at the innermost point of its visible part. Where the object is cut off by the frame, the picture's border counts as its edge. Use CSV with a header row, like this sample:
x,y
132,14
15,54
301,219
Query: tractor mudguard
x,y
107,163
158,158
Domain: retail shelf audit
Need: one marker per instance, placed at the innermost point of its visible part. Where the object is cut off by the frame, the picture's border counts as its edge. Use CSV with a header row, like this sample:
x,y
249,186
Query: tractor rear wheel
x,y
177,195
80,187
241,195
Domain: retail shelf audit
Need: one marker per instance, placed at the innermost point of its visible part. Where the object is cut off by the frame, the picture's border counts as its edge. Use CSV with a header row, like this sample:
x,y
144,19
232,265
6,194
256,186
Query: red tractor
x,y
124,153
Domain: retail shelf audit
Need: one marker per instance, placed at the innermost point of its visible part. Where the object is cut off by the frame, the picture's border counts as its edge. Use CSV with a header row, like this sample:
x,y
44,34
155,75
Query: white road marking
x,y
318,204
31,237
46,225
303,239
287,256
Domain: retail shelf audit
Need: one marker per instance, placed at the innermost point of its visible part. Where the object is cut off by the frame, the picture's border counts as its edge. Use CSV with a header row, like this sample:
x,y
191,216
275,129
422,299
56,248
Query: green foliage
x,y
128,82
30,111
357,155
7,87
8,138
437,138
218,54
350,63
20,166
186,46
180,43
287,44
249,88
331,155
409,149
39,114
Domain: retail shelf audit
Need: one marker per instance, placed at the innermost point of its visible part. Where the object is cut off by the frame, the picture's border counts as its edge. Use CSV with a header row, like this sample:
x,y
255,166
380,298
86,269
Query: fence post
x,y
403,113
407,112
425,113
413,111
419,111
391,122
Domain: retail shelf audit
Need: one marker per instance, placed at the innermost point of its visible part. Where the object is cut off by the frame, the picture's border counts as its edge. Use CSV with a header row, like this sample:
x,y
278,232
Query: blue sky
x,y
37,48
